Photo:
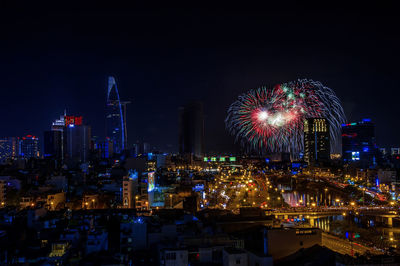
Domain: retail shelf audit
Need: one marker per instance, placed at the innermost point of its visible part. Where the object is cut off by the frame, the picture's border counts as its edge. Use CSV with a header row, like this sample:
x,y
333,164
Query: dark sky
x,y
162,57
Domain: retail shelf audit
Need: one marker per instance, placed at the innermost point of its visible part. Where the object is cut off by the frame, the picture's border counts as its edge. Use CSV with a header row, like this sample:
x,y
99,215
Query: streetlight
x,y
364,189
326,190
337,201
279,198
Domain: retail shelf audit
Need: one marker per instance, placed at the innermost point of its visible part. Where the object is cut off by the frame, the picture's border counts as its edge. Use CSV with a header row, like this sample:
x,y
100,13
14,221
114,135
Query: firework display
x,y
271,119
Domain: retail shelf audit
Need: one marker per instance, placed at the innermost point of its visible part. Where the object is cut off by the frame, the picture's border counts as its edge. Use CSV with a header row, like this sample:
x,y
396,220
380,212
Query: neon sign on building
x,y
72,120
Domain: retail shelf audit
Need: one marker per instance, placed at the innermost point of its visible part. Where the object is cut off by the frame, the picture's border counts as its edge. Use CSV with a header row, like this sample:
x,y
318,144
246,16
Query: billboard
x,y
151,182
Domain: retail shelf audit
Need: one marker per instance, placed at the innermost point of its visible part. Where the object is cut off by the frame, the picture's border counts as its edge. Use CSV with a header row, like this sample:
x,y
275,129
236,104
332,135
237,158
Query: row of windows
x,y
170,256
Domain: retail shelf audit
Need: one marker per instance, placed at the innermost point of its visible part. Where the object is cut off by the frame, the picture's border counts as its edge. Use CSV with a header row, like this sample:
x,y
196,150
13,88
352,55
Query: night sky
x,y
59,57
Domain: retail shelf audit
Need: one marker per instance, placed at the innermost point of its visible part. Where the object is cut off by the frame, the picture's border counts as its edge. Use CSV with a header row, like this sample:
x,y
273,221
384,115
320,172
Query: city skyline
x,y
199,135
150,73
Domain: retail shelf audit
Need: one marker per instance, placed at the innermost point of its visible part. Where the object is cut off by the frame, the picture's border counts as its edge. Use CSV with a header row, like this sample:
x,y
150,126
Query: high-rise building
x,y
316,140
106,149
395,151
191,129
123,105
30,147
53,144
135,149
78,140
358,143
129,189
115,120
146,148
9,148
59,124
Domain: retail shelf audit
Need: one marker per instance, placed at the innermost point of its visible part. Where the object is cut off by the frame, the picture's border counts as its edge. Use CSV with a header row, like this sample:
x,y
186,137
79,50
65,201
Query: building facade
x,y
78,140
129,187
115,123
53,144
30,147
9,148
358,143
191,130
316,140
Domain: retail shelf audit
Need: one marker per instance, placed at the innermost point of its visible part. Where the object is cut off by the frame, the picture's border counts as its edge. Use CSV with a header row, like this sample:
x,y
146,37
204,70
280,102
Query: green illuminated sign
x,y
232,159
213,159
205,159
222,159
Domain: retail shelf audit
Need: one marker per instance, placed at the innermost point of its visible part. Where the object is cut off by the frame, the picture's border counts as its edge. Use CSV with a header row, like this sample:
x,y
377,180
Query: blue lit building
x,y
78,143
106,149
115,117
358,143
30,147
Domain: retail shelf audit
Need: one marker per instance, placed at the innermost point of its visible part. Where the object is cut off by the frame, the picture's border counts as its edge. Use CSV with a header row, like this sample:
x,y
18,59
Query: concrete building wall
x,y
283,242
174,257
235,258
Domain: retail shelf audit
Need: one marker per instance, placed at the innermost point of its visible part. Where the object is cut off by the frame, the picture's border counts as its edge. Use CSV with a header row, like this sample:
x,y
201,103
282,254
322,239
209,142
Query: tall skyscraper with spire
x,y
115,117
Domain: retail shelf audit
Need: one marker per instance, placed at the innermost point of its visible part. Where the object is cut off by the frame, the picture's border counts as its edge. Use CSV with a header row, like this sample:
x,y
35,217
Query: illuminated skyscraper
x,y
78,139
59,124
358,143
191,129
115,120
316,140
106,148
9,148
55,144
30,147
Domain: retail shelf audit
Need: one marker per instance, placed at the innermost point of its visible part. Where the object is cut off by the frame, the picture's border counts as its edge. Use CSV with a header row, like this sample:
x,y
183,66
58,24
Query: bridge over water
x,y
386,215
